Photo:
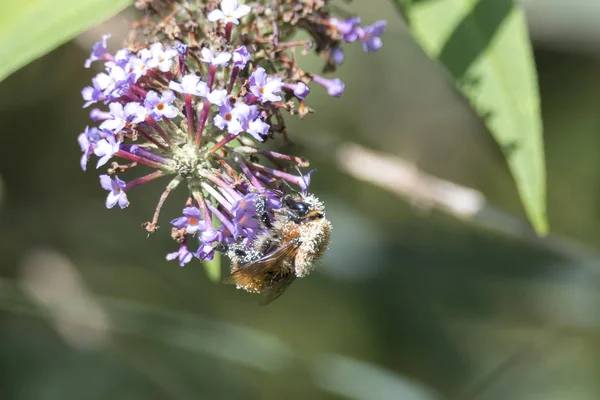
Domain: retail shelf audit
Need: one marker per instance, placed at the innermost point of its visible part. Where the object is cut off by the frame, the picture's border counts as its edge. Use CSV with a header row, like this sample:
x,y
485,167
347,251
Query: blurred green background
x,y
410,302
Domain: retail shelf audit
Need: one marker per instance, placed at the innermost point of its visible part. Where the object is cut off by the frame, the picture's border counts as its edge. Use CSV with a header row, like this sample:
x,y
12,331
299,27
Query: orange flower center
x,y
160,106
262,90
228,117
193,221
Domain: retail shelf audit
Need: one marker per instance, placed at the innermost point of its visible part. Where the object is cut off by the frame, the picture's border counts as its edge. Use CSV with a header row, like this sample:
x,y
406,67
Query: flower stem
x,y
159,129
190,115
232,193
232,78
222,143
141,160
140,151
144,179
255,182
211,76
151,226
150,138
228,29
202,122
224,220
216,195
297,180
273,155
205,212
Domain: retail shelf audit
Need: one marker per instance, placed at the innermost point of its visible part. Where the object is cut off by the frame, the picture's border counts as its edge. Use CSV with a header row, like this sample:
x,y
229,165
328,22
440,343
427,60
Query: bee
x,y
290,245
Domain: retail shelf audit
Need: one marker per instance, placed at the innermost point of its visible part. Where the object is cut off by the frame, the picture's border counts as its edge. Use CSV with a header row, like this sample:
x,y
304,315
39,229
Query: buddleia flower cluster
x,y
190,100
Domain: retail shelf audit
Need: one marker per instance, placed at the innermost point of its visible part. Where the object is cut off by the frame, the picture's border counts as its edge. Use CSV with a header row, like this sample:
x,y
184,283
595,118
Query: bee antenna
x,y
290,187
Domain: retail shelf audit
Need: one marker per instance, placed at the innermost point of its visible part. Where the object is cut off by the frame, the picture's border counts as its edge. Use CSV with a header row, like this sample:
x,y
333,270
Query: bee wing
x,y
277,290
252,275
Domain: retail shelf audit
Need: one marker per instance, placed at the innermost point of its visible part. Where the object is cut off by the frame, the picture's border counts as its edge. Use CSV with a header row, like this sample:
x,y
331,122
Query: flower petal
x,y
216,15
111,199
241,11
106,182
123,201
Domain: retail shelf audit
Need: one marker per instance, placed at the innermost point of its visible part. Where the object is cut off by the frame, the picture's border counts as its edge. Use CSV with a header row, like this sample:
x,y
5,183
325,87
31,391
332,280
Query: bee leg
x,y
222,248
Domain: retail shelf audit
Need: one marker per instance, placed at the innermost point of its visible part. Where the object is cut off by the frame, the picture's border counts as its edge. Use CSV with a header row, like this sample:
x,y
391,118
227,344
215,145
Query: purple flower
x,y
241,118
191,220
183,254
105,149
258,128
244,213
116,78
99,51
300,89
273,200
370,36
190,84
222,119
208,56
349,28
255,126
121,60
226,235
217,97
182,48
87,141
230,12
163,59
92,94
335,87
210,235
117,120
139,65
116,194
205,252
234,118
160,106
304,181
241,56
136,113
265,88
99,115
337,55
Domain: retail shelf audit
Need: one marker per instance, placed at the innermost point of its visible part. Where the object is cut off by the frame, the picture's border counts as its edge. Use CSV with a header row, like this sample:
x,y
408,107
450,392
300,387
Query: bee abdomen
x,y
315,238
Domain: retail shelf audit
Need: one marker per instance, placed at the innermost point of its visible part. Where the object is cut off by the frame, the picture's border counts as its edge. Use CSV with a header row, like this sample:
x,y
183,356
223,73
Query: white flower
x,y
217,97
190,84
215,59
230,12
163,59
105,149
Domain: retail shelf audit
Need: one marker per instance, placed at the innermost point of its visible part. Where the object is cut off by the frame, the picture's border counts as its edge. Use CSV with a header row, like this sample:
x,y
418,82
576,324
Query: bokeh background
x,y
411,302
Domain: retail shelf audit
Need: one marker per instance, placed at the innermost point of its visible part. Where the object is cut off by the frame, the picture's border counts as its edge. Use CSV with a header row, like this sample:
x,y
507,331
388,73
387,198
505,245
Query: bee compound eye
x,y
301,207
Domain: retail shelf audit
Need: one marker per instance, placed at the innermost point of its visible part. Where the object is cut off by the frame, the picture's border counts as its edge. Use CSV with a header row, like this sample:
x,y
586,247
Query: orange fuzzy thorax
x,y
314,237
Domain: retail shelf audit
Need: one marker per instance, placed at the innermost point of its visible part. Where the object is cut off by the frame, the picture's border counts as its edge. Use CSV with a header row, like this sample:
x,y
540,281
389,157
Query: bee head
x,y
306,208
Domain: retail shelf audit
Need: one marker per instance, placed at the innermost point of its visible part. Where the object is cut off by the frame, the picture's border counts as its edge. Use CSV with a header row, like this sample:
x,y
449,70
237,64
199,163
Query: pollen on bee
x,y
315,238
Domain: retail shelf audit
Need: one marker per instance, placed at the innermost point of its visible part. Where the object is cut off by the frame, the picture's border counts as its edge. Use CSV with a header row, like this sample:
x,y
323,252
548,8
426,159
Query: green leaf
x,y
31,28
484,45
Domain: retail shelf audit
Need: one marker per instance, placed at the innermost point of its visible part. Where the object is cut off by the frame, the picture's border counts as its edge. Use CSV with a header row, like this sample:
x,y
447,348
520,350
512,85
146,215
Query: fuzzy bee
x,y
291,243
